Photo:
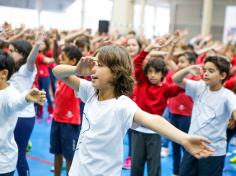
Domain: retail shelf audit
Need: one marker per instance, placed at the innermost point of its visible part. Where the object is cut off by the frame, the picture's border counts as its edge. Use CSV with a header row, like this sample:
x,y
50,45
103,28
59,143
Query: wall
x,y
187,14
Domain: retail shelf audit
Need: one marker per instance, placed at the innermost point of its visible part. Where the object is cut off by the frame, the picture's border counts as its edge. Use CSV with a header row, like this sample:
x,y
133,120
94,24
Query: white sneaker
x,y
164,152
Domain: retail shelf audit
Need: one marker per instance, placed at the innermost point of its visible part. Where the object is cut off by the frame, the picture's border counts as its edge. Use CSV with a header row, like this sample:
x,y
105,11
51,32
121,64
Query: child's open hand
x,y
36,96
156,46
40,36
197,146
85,65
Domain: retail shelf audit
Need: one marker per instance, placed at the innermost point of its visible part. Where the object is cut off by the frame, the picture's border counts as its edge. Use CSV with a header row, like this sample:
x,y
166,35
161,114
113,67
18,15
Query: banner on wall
x,y
230,22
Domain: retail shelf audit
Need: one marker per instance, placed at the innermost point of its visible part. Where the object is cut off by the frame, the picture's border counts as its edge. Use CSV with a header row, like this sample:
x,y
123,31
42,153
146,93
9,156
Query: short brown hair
x,y
119,62
221,64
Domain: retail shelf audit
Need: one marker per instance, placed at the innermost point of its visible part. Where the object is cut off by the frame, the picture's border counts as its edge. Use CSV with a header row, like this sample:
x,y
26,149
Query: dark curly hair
x,y
158,64
117,59
72,52
191,57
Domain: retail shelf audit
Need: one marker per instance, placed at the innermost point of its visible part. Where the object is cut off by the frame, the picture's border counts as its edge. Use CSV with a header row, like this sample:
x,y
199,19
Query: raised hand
x,y
40,36
197,146
207,38
230,36
161,40
85,65
217,46
156,46
104,42
36,96
195,70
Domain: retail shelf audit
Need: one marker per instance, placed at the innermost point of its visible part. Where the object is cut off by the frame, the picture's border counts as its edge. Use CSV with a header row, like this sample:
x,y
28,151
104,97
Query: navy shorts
x,y
63,139
210,166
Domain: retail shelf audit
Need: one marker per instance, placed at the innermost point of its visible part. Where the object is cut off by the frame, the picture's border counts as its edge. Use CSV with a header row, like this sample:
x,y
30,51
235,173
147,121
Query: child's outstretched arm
x,y
68,73
179,76
196,145
20,101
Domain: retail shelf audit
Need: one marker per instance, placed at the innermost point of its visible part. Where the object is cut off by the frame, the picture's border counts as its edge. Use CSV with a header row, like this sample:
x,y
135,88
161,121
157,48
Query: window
x,y
156,19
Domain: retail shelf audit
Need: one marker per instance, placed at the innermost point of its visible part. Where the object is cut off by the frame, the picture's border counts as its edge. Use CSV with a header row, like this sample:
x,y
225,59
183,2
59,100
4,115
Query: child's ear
x,y
4,74
223,75
73,61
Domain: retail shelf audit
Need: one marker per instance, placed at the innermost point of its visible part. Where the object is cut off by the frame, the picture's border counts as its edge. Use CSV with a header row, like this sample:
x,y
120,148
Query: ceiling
x,y
50,5
60,5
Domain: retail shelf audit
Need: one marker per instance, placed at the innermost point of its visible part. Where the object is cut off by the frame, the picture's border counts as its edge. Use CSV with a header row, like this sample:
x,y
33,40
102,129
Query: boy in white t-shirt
x,y
11,101
213,106
109,113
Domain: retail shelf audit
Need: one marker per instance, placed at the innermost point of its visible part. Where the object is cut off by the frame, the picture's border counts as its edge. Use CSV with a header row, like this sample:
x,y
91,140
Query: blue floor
x,y
40,160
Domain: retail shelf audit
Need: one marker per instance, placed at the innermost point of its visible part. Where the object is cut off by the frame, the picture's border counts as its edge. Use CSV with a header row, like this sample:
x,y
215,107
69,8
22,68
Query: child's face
x,y
14,53
42,46
183,62
154,77
65,60
84,50
102,77
212,75
132,47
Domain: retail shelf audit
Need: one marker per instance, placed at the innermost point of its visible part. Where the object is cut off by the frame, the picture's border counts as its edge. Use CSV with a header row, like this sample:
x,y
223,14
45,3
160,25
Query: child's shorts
x,y
63,139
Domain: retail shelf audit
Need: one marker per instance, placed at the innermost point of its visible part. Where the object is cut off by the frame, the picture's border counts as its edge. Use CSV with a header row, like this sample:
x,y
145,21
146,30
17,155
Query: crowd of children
x,y
109,85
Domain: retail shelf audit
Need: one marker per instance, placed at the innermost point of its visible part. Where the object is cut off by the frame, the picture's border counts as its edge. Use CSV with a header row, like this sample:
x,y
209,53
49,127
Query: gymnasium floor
x,y
40,160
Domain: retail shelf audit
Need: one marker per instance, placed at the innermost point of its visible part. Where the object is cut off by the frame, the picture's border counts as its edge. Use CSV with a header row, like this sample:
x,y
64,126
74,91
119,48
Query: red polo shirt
x,y
67,106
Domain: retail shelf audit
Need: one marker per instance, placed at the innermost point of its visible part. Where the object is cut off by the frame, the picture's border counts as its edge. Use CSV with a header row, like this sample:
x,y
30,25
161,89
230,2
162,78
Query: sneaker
x,y
233,141
127,163
164,152
63,168
233,159
49,119
228,154
29,147
52,169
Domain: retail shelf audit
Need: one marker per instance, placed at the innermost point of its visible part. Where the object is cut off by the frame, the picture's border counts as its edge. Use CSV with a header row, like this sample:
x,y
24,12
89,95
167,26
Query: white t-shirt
x,y
211,112
11,101
23,81
99,149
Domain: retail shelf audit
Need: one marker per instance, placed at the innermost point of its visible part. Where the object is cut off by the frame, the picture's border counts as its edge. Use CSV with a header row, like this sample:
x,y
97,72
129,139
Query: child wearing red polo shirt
x,y
181,109
150,94
66,122
43,76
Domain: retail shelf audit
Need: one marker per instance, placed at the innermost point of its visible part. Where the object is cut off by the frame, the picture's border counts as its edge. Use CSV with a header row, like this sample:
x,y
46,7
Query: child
x,y
11,101
24,57
181,109
181,105
109,113
133,47
212,108
65,127
150,94
43,75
